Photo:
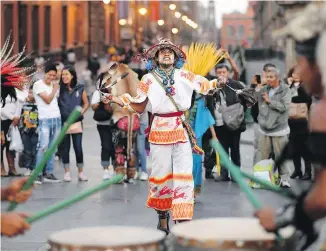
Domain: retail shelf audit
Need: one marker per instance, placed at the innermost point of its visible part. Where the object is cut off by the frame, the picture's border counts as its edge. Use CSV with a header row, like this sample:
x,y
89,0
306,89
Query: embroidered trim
x,y
171,176
188,75
159,204
167,137
183,211
204,87
125,100
143,87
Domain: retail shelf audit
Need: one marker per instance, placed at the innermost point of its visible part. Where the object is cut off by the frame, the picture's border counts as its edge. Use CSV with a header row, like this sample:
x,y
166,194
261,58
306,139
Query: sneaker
x,y
136,175
50,178
39,180
28,172
143,176
285,184
107,175
130,181
67,177
82,177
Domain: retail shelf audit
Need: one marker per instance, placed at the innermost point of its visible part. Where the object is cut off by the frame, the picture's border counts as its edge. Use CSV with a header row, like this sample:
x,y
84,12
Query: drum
x,y
229,234
115,238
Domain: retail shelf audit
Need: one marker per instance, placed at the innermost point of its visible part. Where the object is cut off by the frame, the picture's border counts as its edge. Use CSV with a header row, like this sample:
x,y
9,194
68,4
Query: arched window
x,y
241,30
230,30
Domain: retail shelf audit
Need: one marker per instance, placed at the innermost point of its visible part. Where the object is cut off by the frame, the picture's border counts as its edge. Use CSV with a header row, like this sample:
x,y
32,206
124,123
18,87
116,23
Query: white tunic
x,y
168,130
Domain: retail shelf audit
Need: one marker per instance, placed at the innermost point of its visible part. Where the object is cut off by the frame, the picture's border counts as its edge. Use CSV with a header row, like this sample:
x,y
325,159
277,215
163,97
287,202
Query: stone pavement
x,y
121,204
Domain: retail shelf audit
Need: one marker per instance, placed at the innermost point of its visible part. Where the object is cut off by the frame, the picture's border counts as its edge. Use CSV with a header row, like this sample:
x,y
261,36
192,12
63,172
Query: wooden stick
x,y
78,197
39,168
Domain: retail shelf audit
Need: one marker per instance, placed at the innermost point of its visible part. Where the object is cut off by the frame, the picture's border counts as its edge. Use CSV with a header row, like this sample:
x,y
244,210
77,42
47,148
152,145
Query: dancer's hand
x,y
266,217
13,224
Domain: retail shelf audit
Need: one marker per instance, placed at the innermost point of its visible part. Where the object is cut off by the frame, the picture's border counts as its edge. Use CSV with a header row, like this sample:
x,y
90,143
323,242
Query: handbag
x,y
232,116
192,137
298,111
101,114
75,128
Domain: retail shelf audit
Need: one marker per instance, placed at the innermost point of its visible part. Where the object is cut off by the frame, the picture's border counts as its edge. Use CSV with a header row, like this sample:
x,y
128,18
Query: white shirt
x,y
96,98
169,130
12,108
45,111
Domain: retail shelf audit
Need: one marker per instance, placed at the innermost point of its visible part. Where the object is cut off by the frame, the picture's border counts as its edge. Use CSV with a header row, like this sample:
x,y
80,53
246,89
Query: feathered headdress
x,y
12,74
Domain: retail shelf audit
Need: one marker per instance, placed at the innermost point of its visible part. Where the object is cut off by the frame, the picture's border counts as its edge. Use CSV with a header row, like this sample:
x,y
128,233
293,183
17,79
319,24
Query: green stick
x,y
236,175
39,168
286,193
78,197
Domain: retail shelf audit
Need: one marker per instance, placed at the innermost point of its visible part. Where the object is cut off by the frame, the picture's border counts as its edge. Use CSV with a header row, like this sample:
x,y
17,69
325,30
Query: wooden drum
x,y
113,238
229,234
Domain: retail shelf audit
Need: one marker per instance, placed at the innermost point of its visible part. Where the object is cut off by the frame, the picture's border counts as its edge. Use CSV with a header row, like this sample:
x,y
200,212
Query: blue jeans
x,y
141,150
48,130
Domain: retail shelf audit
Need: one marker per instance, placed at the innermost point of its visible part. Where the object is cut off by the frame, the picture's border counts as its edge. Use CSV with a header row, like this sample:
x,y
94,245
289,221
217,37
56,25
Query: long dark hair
x,y
72,71
7,91
290,72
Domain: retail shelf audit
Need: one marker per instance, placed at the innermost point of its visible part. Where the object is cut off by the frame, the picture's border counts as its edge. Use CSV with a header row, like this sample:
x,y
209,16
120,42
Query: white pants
x,y
172,188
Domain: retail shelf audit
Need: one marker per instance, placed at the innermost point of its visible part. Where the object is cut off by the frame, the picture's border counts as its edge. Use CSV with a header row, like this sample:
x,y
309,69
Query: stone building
x,y
237,29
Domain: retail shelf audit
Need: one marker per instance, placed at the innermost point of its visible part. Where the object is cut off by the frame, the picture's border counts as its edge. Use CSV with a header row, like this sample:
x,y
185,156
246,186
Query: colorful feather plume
x,y
201,58
12,74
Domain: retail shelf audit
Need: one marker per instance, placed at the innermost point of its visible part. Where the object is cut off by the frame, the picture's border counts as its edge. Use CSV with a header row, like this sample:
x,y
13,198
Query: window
x,y
64,24
8,16
22,23
77,24
241,30
230,30
112,28
35,24
47,27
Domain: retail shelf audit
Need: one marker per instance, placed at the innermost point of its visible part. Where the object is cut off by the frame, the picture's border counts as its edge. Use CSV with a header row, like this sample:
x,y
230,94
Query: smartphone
x,y
258,78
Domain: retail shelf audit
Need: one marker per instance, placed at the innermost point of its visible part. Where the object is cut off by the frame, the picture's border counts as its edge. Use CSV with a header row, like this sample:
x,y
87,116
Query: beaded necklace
x,y
167,79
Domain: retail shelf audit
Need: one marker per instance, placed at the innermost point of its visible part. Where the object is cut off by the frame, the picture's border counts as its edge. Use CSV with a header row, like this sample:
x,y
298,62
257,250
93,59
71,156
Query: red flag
x,y
154,10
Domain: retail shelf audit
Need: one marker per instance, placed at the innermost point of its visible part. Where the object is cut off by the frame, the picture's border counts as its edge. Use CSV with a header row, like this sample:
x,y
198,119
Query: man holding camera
x,y
274,100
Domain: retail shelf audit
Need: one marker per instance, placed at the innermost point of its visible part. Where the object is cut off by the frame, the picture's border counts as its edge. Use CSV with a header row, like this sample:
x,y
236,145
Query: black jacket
x,y
300,125
69,100
231,98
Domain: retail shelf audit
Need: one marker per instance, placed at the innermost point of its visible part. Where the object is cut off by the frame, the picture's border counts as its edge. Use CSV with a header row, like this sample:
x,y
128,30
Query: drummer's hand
x,y
13,224
14,192
266,217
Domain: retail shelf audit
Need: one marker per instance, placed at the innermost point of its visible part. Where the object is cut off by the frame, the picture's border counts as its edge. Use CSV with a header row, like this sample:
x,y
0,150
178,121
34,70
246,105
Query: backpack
x,y
232,116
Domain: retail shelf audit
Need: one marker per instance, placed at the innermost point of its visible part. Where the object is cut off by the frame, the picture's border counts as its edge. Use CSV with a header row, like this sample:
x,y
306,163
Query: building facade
x,y
237,29
48,27
271,16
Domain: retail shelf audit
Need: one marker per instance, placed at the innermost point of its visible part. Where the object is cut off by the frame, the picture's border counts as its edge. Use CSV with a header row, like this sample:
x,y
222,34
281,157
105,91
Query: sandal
x,y
163,215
